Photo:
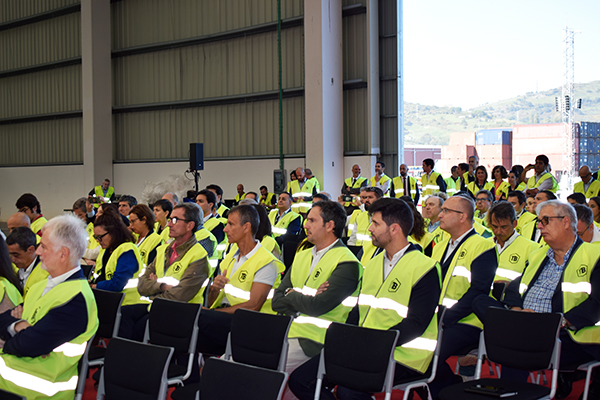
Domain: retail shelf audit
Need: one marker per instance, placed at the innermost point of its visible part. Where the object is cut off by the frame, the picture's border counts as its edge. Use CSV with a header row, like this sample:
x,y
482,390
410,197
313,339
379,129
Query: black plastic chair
x,y
519,340
87,270
258,339
174,324
134,371
369,367
109,317
251,383
498,289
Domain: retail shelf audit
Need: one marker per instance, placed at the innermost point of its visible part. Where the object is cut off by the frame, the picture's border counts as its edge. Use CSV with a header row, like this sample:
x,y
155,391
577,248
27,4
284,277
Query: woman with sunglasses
x,y
119,261
141,222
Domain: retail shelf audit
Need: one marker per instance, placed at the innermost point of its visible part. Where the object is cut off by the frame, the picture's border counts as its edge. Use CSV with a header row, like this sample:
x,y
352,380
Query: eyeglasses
x,y
174,220
446,209
546,219
133,221
482,199
586,228
99,237
23,209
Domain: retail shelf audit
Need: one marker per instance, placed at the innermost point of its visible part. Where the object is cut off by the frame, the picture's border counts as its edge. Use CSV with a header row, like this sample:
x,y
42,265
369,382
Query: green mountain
x,y
431,125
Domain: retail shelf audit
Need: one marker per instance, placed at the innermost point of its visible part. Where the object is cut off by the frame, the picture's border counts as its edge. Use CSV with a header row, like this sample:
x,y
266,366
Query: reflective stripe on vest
x,y
321,323
351,227
421,343
507,273
241,293
298,205
168,280
522,288
349,301
302,194
279,231
448,303
221,247
71,349
132,283
32,382
360,236
579,287
382,303
462,271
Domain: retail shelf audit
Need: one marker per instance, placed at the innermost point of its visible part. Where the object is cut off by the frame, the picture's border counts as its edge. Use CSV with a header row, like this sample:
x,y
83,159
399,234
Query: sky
x,y
466,53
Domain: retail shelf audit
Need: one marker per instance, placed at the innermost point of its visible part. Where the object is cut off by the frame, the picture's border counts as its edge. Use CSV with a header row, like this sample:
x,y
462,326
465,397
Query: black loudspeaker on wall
x,y
197,156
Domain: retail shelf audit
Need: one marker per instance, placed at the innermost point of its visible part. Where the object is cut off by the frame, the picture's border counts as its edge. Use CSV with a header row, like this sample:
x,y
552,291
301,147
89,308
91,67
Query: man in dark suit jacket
x,y
564,278
47,335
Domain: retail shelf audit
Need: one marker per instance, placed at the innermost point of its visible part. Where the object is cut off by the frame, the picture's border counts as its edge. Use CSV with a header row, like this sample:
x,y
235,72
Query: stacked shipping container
x,y
589,145
494,148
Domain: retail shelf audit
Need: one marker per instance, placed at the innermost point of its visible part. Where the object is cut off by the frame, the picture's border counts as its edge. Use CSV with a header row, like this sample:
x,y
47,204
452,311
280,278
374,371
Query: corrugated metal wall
x,y
241,66
17,9
31,93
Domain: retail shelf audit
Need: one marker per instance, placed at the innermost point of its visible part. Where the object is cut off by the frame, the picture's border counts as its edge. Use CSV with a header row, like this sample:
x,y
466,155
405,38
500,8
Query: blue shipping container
x,y
493,136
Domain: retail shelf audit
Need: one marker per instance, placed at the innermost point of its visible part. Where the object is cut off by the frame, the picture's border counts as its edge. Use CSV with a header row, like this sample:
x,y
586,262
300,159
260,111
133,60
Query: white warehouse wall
x,y
57,187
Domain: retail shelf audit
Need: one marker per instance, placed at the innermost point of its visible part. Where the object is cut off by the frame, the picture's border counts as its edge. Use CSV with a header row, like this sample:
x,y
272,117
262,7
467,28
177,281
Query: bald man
x,y
589,186
18,219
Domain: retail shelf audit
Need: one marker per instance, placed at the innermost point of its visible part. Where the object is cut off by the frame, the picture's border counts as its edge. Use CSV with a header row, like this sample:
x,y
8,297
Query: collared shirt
x,y
596,237
452,245
539,297
24,273
432,227
388,264
52,282
267,274
277,216
507,243
586,186
206,218
317,255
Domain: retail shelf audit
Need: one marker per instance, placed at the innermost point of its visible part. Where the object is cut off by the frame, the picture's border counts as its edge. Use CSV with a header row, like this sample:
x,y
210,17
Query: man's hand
x,y
21,325
89,206
220,281
356,201
152,276
17,312
323,287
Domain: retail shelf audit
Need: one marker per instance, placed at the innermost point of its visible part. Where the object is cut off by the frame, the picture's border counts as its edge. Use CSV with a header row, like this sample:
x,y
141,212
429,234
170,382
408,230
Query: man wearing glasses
x,y
586,229
589,186
469,265
177,272
483,202
531,230
565,278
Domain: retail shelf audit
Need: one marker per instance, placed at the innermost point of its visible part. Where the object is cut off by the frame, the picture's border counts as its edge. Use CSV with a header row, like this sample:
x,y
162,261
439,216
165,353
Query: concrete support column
x,y
323,92
96,84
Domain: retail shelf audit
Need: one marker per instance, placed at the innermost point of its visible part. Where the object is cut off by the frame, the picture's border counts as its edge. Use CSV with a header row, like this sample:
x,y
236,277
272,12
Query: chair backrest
x,y
259,339
366,367
174,324
520,340
87,270
498,289
288,251
134,370
109,312
251,383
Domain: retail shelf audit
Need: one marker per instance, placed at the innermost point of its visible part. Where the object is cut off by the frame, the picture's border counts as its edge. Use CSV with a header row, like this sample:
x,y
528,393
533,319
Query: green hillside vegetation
x,y
431,125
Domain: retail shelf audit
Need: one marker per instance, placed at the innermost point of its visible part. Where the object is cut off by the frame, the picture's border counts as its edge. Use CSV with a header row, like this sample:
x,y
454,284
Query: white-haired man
x,y
46,337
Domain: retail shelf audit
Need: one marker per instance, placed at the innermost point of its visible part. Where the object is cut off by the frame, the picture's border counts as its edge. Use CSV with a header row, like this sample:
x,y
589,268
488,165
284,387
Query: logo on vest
x,y
243,275
462,254
33,318
317,274
109,276
394,286
176,267
582,270
143,253
514,258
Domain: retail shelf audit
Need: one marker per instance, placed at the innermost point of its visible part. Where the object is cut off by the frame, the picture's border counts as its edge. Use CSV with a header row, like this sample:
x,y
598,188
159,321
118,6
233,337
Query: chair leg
x,y
586,387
